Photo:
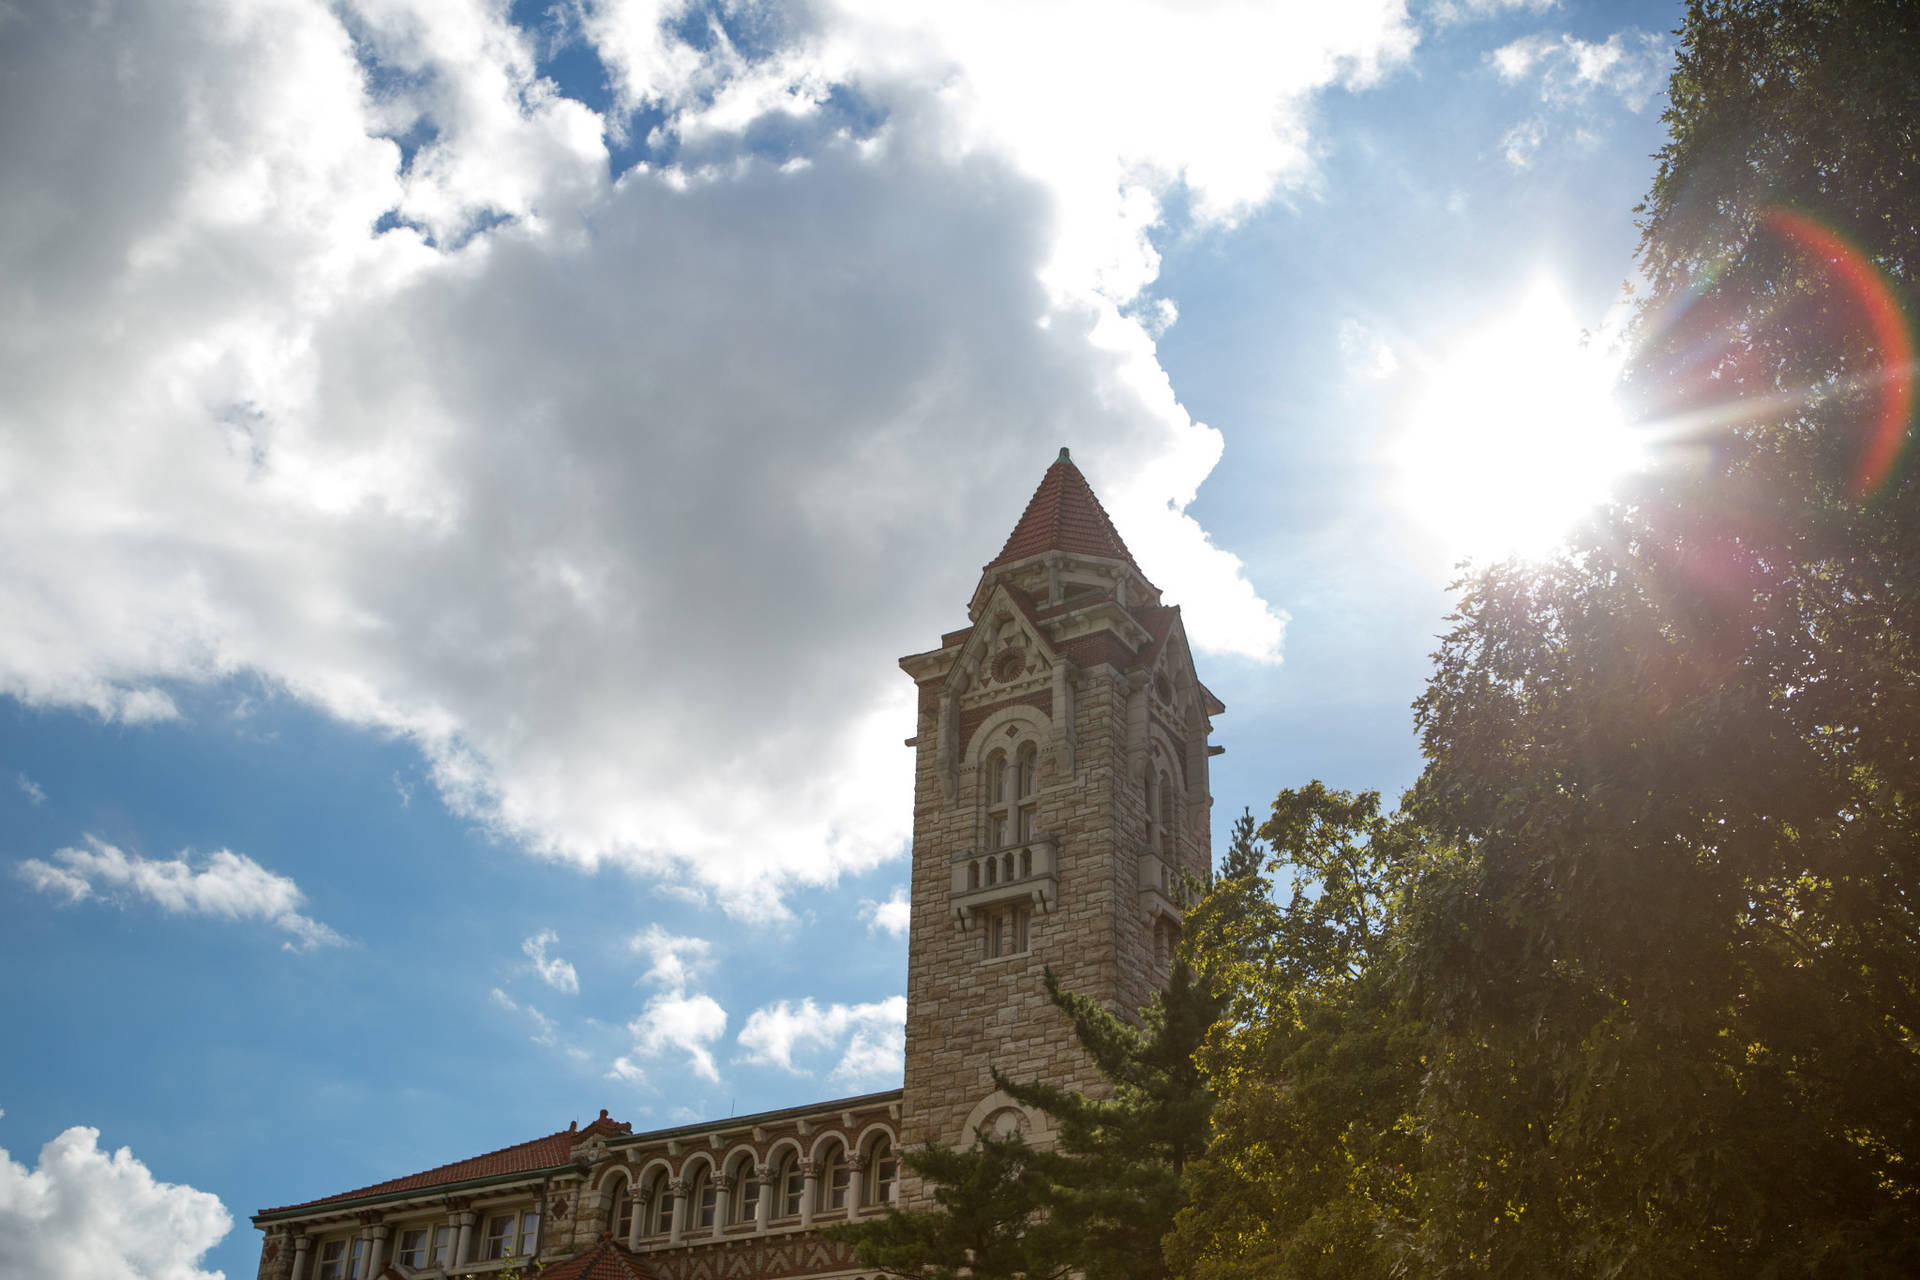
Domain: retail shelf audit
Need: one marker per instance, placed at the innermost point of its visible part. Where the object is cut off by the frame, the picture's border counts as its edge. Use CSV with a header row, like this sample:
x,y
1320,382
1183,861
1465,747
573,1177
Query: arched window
x,y
788,1185
620,1210
999,815
1026,779
659,1204
703,1200
746,1191
836,1179
883,1172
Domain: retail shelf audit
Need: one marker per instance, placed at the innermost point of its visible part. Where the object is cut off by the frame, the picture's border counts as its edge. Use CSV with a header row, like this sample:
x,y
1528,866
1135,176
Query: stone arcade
x,y
1060,793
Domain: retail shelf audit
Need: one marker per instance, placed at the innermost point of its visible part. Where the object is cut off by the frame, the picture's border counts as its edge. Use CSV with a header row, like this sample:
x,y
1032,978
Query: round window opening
x,y
1007,666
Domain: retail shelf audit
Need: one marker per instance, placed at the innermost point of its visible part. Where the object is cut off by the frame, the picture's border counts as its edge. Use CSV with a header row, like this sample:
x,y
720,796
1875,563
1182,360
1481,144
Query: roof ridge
x,y
374,1188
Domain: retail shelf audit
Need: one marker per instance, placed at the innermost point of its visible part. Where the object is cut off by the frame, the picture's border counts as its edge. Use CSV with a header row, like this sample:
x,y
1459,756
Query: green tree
x,y
988,1221
1100,1199
1673,987
1315,1062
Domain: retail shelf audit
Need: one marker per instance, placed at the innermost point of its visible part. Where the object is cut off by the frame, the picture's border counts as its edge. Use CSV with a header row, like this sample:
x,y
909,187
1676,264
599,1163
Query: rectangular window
x,y
623,1215
529,1234
412,1249
792,1193
1007,932
749,1198
1025,833
357,1260
442,1247
499,1238
333,1260
838,1179
709,1203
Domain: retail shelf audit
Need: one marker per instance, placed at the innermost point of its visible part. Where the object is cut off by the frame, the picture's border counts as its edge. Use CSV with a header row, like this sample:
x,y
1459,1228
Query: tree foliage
x,y
1315,1064
1095,1201
1673,989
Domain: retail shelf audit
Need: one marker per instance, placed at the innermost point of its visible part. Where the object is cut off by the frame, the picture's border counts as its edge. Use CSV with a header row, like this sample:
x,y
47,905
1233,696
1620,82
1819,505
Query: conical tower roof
x,y
1063,515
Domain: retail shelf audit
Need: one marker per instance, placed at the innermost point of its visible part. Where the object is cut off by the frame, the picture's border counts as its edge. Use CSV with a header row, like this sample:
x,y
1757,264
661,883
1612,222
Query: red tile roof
x,y
549,1152
605,1261
1063,515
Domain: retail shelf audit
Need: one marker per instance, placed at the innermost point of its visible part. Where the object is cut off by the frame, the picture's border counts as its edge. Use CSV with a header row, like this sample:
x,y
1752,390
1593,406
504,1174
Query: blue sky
x,y
467,474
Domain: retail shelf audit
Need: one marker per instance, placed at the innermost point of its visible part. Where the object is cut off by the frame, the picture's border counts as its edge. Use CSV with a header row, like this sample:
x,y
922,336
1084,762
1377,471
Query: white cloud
x,y
543,1028
869,1038
1631,65
33,791
616,497
1369,356
85,1214
892,916
228,886
1519,143
555,972
674,1022
672,960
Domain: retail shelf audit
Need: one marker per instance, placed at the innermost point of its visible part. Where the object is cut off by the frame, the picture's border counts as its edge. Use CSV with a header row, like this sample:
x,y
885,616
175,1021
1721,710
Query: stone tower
x,y
1060,791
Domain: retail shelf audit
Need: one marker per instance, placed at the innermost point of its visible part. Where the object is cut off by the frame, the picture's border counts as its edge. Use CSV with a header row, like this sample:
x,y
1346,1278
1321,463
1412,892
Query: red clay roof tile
x,y
527,1157
1063,515
604,1261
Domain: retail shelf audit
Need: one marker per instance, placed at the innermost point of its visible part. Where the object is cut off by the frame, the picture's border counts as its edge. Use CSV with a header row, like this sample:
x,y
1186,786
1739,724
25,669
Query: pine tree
x,y
1099,1202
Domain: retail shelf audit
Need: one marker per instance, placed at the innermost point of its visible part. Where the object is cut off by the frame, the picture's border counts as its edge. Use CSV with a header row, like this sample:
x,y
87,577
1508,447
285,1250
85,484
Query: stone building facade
x,y
1060,798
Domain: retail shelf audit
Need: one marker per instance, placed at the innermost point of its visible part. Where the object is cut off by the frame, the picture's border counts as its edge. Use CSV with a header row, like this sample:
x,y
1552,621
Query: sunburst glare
x,y
1515,434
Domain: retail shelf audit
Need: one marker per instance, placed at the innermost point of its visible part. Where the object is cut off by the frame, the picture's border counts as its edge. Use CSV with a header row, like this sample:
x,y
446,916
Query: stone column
x,y
642,1206
856,1186
810,1183
377,1249
302,1246
763,1212
463,1239
679,1213
723,1203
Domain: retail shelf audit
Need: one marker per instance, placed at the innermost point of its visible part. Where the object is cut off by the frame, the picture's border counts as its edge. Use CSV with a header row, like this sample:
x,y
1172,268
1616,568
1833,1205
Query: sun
x,y
1515,434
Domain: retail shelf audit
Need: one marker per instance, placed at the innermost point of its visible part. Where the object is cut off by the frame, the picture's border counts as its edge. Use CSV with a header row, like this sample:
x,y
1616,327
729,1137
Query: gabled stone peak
x,y
1064,515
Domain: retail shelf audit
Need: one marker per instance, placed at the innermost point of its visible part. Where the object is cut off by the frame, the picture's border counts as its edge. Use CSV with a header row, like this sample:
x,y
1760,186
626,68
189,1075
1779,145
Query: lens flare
x,y
1892,338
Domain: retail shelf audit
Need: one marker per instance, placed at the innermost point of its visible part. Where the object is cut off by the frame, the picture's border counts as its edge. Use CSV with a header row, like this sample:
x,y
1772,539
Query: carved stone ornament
x,y
560,1207
1008,666
271,1252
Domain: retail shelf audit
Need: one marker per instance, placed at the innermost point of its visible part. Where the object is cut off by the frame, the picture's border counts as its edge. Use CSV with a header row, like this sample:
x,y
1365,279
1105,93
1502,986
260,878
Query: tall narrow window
x,y
883,1172
997,807
1026,780
834,1180
791,1183
660,1205
620,1213
529,1234
499,1239
746,1192
443,1237
706,1199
